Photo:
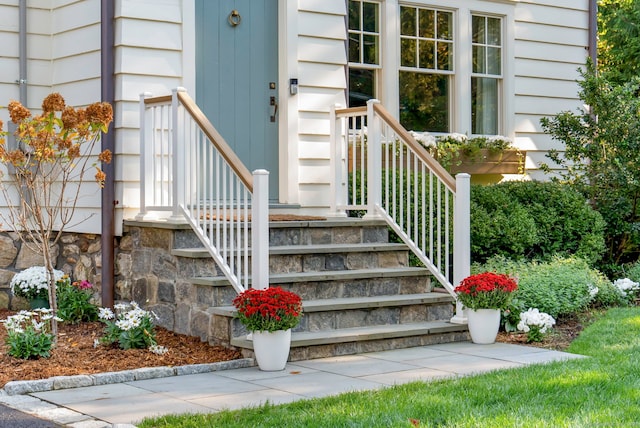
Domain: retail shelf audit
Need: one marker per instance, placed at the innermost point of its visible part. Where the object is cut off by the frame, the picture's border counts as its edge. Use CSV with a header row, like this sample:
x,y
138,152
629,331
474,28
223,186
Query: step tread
x,y
328,275
344,303
356,334
200,252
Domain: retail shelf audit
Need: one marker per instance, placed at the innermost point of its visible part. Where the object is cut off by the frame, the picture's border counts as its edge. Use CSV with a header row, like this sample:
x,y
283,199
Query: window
x,y
426,68
364,50
486,74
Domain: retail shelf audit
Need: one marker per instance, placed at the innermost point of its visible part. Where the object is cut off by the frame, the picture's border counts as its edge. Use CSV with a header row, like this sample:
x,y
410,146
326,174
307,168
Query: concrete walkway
x,y
130,402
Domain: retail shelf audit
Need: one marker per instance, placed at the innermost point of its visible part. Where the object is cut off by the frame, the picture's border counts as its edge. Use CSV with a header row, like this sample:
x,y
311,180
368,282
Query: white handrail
x,y
189,170
405,186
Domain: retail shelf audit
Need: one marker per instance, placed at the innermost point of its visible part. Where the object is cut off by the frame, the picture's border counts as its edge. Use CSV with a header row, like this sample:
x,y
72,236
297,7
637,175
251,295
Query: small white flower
x,y
627,287
96,343
105,314
159,350
534,318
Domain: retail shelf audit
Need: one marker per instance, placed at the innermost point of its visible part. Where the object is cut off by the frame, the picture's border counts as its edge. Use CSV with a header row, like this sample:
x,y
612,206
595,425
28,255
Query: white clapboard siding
x,y
321,60
551,38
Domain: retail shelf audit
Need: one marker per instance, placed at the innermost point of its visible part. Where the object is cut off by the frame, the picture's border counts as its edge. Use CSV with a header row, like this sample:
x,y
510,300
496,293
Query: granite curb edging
x,y
22,387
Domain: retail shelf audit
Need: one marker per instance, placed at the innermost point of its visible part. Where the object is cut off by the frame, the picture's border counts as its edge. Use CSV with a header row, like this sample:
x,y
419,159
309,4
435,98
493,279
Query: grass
x,y
603,390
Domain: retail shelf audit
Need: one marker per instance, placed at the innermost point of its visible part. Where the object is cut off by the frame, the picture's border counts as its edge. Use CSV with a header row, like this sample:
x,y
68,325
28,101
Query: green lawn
x,y
603,390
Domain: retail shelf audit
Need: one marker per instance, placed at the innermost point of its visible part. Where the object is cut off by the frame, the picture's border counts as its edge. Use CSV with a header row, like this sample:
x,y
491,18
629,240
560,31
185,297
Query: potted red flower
x,y
485,295
269,314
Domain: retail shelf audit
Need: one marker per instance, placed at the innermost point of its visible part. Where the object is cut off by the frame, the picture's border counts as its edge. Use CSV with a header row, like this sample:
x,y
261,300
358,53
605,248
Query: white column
x,y
145,172
177,161
461,238
374,162
260,230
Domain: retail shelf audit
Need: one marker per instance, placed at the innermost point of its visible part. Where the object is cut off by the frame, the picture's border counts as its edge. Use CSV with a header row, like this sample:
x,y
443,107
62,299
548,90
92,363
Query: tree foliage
x,y
619,39
601,157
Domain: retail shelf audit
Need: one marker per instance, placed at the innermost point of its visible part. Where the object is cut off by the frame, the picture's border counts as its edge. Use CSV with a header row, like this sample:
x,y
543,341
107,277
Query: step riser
x,y
329,262
350,348
335,320
282,235
223,296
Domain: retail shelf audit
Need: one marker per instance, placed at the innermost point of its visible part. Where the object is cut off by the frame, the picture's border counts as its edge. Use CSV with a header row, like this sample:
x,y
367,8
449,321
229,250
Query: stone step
x,y
200,253
346,303
340,275
323,232
306,345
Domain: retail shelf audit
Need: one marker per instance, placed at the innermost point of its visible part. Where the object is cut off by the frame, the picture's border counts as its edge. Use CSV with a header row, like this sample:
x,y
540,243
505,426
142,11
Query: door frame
x,y
288,104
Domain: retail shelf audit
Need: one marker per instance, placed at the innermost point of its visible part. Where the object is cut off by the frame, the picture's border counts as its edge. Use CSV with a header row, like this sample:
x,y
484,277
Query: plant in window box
x,y
476,155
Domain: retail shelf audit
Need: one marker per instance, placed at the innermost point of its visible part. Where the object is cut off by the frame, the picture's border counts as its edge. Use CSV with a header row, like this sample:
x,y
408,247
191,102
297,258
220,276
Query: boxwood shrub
x,y
533,221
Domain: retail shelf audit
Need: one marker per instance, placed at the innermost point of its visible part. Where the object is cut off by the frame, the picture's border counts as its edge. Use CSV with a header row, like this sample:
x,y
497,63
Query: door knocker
x,y
234,18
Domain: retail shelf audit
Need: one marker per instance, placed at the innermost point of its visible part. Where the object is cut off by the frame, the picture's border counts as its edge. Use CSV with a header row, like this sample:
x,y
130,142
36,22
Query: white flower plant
x,y
628,288
29,334
536,324
33,283
131,327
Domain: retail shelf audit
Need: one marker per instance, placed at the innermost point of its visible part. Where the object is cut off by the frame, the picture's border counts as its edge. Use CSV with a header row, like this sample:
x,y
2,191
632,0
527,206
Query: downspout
x,y
22,49
593,32
107,71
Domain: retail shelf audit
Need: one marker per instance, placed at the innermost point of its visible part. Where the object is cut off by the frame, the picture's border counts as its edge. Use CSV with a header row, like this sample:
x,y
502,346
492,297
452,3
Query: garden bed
x,y
75,354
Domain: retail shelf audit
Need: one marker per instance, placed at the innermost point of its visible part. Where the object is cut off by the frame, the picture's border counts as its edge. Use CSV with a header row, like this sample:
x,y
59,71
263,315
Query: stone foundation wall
x,y
76,254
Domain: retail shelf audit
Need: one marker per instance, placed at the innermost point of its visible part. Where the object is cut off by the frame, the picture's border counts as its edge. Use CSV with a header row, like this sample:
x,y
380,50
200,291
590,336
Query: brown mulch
x,y
75,354
559,339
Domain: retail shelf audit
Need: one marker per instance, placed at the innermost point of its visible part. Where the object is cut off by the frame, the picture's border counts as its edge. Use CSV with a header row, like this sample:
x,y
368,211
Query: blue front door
x,y
237,77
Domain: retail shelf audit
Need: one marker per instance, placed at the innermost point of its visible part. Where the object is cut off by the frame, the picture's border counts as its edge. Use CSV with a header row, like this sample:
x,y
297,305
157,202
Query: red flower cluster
x,y
488,290
268,310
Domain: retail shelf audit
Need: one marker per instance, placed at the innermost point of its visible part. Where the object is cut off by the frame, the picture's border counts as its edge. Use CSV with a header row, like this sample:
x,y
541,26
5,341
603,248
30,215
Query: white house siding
x,y
551,40
321,69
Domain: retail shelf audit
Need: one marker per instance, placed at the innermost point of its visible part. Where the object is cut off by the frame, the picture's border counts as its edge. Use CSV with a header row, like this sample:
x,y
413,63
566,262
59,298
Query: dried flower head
x,y
18,112
100,113
100,177
53,102
69,118
105,156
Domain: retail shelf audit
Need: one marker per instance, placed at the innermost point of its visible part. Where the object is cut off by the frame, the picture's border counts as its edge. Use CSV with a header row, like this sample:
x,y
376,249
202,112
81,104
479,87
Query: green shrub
x,y
74,301
559,287
535,221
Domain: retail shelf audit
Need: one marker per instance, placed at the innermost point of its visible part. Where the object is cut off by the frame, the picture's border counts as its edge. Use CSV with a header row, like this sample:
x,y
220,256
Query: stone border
x,y
21,387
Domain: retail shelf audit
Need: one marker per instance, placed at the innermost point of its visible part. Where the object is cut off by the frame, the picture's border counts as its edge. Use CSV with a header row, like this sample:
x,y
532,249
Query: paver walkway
x,y
129,402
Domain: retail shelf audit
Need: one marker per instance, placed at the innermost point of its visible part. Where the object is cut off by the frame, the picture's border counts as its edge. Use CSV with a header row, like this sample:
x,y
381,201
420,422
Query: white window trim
x,y
460,116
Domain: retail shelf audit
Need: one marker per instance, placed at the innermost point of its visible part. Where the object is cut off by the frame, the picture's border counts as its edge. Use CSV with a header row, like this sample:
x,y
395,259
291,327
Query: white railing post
x,y
374,162
260,230
461,238
145,171
336,163
177,159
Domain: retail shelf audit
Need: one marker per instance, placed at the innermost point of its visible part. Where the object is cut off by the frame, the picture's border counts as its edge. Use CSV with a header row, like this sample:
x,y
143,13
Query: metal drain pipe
x,y
22,51
107,15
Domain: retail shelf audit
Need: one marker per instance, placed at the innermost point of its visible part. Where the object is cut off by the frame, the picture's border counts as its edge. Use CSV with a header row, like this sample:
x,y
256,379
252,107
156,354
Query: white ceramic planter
x,y
483,325
272,349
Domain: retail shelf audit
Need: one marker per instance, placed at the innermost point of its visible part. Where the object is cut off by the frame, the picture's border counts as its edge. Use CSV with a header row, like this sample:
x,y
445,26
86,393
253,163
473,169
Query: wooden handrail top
x,y
416,147
351,111
162,99
216,139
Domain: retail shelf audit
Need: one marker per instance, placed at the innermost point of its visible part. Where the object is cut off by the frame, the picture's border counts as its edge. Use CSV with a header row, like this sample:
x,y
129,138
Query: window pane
x,y
362,86
478,31
479,65
494,61
427,54
427,23
484,106
445,56
445,25
370,49
494,31
424,102
408,52
408,21
354,47
370,17
354,15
